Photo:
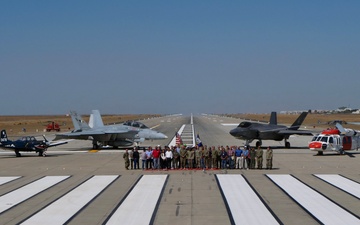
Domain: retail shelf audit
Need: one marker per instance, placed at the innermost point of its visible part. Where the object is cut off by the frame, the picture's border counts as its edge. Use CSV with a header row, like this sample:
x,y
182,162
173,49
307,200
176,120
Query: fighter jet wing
x,y
77,135
93,133
298,132
56,143
288,131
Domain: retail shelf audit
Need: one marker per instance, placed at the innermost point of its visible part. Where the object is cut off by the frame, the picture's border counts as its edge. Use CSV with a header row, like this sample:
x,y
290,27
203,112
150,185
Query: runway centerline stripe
x,y
17,196
64,208
4,180
139,205
324,210
342,183
243,201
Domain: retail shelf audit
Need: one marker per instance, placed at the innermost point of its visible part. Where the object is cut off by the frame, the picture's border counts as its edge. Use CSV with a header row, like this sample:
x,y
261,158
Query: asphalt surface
x,y
187,196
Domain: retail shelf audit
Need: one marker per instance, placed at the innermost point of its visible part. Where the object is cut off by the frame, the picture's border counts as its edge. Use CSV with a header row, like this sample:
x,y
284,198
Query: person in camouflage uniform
x,y
207,157
183,157
214,155
252,158
126,158
197,157
190,157
259,157
269,158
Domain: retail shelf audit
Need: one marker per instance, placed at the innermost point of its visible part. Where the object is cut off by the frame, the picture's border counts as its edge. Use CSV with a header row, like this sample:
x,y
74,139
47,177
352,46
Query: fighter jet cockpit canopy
x,y
135,124
27,138
244,124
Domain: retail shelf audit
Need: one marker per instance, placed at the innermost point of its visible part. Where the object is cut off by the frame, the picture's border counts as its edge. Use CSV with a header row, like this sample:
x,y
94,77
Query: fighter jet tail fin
x,y
3,136
95,119
296,125
78,122
273,118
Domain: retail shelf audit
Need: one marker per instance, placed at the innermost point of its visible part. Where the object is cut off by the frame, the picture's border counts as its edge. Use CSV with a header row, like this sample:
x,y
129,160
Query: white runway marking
x,y
64,208
139,205
243,201
320,207
344,184
173,141
4,180
19,195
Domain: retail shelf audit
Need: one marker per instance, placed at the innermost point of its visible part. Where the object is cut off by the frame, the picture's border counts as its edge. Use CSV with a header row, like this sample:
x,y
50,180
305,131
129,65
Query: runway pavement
x,y
76,186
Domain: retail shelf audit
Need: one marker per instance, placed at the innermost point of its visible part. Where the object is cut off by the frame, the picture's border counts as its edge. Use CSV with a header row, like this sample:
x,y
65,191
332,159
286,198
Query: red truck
x,y
52,126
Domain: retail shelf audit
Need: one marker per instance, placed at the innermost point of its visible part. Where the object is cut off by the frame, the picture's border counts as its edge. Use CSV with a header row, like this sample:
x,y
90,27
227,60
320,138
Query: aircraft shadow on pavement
x,y
33,156
351,155
283,147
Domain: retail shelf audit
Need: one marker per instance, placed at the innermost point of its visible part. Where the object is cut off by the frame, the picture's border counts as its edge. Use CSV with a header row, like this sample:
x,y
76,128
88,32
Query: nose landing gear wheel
x,y
287,144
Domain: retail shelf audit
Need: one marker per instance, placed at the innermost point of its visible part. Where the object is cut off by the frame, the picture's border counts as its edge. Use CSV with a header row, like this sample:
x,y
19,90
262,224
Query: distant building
x,y
293,112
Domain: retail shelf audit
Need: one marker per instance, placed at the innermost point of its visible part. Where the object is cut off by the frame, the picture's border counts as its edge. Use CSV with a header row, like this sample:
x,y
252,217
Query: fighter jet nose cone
x,y
161,136
232,132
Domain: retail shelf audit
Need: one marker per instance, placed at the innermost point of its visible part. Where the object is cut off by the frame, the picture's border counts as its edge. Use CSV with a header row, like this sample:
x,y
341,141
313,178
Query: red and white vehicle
x,y
338,139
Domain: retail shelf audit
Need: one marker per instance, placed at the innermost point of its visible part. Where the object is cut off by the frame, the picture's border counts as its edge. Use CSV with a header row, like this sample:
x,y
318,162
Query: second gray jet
x,y
250,131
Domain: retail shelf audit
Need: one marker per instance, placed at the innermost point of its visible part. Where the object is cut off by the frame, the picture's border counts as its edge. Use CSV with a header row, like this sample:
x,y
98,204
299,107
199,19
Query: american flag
x,y
178,138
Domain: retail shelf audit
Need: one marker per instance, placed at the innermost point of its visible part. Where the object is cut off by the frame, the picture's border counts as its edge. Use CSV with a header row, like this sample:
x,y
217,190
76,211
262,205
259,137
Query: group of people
x,y
198,157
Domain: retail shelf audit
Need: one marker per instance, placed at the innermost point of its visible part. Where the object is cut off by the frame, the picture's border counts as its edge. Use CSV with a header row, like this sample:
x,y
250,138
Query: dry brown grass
x,y
310,121
33,124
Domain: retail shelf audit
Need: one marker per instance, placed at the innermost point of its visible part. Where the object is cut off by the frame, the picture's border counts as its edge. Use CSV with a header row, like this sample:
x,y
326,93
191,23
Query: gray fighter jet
x,y
126,134
250,131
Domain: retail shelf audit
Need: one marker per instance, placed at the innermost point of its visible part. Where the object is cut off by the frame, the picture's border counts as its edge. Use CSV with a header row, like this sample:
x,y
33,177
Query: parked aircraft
x,y
338,140
250,131
27,144
342,122
116,135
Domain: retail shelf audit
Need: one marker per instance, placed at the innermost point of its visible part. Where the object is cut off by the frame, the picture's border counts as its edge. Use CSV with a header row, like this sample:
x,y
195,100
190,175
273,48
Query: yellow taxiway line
x,y
93,150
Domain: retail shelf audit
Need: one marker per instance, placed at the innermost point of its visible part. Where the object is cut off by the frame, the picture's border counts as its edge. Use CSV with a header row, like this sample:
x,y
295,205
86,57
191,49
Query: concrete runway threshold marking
x,y
4,180
17,196
342,183
320,207
63,209
139,207
242,201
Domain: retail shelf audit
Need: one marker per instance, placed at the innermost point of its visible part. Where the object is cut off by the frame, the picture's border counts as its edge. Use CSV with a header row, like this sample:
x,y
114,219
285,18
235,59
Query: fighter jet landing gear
x,y
42,153
341,151
96,145
287,144
17,153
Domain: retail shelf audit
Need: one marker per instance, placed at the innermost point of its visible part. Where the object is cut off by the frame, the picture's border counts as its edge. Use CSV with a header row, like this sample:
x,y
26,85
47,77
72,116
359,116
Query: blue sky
x,y
178,56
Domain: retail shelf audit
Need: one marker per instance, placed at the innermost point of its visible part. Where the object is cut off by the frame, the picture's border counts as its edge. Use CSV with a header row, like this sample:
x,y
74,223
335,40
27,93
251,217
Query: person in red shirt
x,y
156,157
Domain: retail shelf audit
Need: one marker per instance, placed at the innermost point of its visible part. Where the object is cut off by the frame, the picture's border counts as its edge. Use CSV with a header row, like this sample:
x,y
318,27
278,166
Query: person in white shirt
x,y
169,156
